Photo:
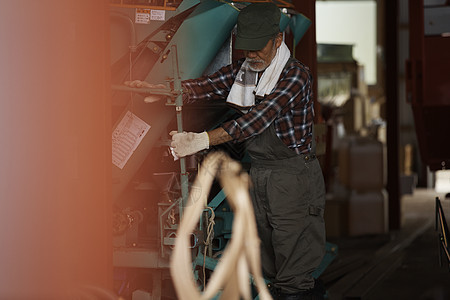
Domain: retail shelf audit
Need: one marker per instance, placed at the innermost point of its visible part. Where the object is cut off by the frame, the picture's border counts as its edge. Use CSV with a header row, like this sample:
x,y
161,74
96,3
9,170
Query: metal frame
x,y
442,228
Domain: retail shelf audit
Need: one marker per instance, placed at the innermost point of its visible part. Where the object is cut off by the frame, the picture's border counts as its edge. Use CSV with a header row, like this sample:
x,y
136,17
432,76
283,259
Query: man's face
x,y
259,60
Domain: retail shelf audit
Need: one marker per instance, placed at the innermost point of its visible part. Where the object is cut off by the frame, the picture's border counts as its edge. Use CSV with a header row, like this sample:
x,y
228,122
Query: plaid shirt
x,y
289,105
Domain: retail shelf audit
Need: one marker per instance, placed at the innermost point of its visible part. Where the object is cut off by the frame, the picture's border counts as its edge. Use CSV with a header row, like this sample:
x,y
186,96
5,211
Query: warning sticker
x,y
142,16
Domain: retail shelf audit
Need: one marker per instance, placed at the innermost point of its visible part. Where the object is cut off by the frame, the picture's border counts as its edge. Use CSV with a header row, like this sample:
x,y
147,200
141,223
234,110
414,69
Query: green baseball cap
x,y
257,23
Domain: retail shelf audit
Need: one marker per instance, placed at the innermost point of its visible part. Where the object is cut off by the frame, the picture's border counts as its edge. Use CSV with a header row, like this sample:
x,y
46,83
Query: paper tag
x,y
126,138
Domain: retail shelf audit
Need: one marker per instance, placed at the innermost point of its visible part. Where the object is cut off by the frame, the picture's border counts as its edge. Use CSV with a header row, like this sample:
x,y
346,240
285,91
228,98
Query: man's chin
x,y
257,68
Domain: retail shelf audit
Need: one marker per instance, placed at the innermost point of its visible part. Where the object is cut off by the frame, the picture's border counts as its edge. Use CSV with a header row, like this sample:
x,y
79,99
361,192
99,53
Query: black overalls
x,y
288,196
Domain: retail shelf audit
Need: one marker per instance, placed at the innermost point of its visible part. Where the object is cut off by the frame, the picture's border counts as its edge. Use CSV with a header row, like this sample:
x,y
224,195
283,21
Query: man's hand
x,y
188,143
144,84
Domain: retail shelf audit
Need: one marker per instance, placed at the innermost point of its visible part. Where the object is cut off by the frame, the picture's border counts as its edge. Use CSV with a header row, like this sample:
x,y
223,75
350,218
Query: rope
x,y
208,241
241,257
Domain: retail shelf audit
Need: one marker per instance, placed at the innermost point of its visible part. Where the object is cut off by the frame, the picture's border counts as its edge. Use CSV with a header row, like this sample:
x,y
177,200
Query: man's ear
x,y
279,40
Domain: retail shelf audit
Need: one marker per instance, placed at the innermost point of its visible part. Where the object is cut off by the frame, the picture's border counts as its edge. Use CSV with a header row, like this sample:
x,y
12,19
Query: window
x,y
350,23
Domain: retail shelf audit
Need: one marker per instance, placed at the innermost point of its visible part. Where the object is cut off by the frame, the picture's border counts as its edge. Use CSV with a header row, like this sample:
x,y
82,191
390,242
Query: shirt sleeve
x,y
293,89
214,86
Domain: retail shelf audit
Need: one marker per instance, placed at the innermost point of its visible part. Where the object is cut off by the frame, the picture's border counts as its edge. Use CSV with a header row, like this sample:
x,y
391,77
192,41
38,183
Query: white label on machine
x,y
142,16
158,15
126,138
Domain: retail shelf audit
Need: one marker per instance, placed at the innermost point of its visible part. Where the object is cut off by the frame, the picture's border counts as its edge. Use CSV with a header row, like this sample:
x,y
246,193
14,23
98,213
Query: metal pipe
x,y
179,107
133,35
162,92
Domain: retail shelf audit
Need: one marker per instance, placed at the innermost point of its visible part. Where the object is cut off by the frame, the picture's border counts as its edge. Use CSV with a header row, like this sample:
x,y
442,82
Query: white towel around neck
x,y
242,91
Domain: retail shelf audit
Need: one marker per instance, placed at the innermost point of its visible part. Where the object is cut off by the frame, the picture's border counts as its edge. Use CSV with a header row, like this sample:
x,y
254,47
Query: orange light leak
x,y
55,216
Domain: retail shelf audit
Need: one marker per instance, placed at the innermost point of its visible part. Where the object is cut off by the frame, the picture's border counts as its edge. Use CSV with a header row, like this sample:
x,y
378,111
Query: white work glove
x,y
188,143
144,84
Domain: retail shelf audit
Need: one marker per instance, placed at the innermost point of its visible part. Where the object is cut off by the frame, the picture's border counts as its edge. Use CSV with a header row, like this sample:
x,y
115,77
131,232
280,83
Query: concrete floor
x,y
398,265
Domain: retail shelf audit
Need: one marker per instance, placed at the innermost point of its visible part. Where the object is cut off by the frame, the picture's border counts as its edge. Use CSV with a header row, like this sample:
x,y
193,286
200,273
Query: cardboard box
x,y
367,213
361,164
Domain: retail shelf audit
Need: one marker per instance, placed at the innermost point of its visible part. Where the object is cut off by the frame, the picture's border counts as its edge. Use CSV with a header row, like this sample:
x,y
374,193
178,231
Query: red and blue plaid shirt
x,y
289,105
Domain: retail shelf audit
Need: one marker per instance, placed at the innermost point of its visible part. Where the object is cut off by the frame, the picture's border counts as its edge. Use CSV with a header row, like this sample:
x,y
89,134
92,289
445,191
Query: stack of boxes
x,y
361,172
358,202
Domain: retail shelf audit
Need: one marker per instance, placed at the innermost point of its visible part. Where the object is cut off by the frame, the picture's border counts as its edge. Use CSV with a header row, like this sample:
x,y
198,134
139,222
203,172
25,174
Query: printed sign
x,y
144,16
158,15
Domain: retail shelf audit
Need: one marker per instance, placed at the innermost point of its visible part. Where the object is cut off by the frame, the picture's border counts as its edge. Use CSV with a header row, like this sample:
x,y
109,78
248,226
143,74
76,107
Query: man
x,y
274,91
